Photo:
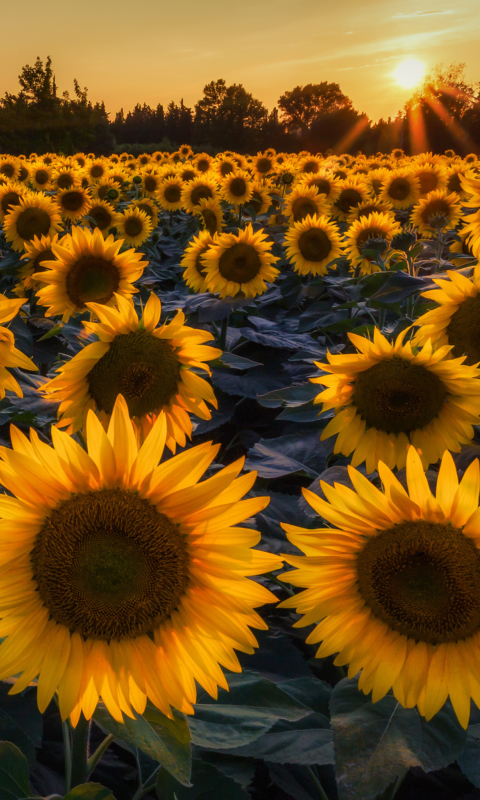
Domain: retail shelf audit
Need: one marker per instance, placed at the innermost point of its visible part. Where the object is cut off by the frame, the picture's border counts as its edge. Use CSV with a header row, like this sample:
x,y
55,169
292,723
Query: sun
x,y
409,72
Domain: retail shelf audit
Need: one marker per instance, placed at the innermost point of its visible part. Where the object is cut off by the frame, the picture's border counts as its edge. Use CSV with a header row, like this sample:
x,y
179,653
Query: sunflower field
x,y
239,471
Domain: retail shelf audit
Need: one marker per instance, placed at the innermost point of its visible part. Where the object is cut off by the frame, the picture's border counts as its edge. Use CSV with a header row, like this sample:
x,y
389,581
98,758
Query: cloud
x,y
423,14
348,33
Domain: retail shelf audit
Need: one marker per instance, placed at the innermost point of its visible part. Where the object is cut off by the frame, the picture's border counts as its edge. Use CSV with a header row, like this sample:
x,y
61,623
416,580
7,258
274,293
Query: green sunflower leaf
x,y
89,791
14,783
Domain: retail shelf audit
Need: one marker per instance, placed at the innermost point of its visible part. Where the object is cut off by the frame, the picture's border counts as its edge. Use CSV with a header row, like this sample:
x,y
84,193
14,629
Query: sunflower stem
x,y
393,789
149,784
321,791
96,756
68,755
80,771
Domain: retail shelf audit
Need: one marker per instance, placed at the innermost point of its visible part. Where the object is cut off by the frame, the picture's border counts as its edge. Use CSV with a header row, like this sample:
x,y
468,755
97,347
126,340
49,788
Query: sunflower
x,y
393,586
102,190
211,214
41,176
169,196
310,164
205,186
151,366
38,250
134,226
187,172
437,210
304,201
374,226
185,151
147,205
88,268
203,162
463,246
456,319
129,581
9,355
10,196
10,168
353,191
242,263
368,207
65,178
263,165
388,396
312,244
237,187
103,214
260,199
191,261
151,183
432,177
454,184
401,188
73,203
324,182
223,165
96,169
35,215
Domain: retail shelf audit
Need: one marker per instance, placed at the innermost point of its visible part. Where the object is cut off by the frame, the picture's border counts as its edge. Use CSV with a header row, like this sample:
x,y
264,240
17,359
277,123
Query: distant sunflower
x,y
88,268
387,397
133,583
134,226
211,214
65,178
11,193
431,176
103,214
260,199
353,191
191,261
151,183
102,190
461,247
309,165
324,182
203,162
304,201
38,250
401,188
10,356
151,366
263,165
150,208
437,210
456,319
312,244
374,226
41,177
35,215
224,165
237,187
393,586
205,186
368,207
73,203
10,168
96,169
169,195
455,174
187,172
242,263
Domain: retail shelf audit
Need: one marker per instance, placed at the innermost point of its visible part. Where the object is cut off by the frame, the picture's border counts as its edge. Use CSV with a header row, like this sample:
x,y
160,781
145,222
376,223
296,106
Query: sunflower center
x,y
463,330
310,166
145,207
8,170
428,181
240,263
141,367
314,245
103,218
369,233
133,226
41,176
203,165
433,208
454,184
108,565
422,579
150,183
348,199
302,207
92,279
226,167
399,188
65,181
322,185
397,396
72,201
97,171
10,199
33,222
238,187
200,192
172,194
45,255
264,165
210,220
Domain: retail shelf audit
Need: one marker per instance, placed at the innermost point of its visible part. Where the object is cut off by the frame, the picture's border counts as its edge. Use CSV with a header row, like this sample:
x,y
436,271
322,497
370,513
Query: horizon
x,y
360,49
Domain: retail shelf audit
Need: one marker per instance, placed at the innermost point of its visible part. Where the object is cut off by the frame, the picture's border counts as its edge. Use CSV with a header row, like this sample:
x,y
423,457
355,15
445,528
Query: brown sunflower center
x,y
210,220
64,181
97,171
44,255
7,169
240,263
226,167
454,184
188,175
203,165
150,183
310,166
199,192
108,565
72,201
367,234
314,245
145,207
238,187
264,165
91,279
33,222
323,186
428,181
141,367
101,215
348,199
133,226
463,331
41,176
399,188
302,207
172,194
397,396
10,199
435,208
256,201
422,579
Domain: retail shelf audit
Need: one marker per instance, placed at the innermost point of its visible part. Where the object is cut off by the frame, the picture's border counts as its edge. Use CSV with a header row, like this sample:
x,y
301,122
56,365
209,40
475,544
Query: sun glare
x,y
409,73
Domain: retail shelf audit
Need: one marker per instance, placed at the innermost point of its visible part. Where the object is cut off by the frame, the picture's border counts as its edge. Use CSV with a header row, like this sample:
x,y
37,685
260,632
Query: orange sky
x,y
152,51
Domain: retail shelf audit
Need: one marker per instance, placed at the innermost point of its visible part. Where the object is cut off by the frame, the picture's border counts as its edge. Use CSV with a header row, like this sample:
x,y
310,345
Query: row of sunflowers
x,y
129,539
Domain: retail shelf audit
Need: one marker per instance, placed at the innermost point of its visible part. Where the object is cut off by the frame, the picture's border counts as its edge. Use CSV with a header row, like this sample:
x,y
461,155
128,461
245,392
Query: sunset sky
x,y
154,52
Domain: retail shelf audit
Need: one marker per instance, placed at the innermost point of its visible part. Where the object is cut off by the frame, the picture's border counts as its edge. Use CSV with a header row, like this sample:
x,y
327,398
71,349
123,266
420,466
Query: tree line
x,y
443,113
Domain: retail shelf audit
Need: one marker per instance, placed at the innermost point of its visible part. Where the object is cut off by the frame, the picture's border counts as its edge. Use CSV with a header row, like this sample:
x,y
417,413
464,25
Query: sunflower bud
x,y
137,179
113,194
404,241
